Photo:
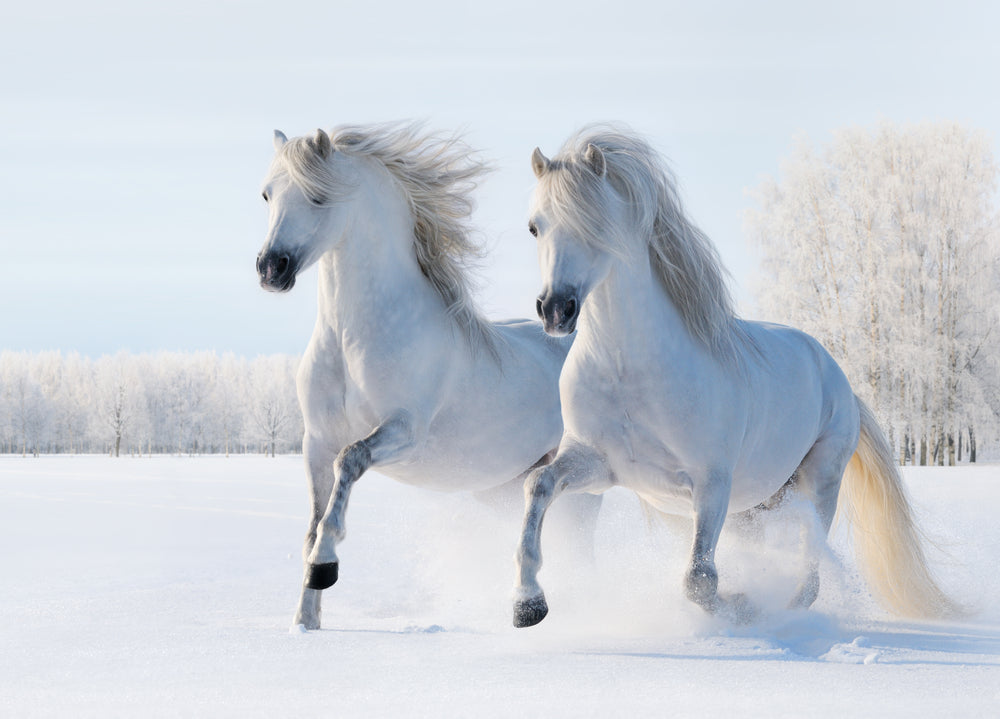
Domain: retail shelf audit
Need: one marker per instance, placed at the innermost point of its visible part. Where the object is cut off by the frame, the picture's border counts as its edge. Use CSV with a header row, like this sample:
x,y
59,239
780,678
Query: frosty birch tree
x,y
118,397
272,399
884,245
164,402
228,391
27,408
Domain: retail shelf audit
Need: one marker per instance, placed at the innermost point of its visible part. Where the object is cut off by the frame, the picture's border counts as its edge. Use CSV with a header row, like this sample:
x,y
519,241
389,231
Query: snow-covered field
x,y
166,586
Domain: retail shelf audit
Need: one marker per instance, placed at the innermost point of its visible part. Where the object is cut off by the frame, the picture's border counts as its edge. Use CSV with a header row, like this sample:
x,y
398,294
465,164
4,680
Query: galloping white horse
x,y
402,373
667,393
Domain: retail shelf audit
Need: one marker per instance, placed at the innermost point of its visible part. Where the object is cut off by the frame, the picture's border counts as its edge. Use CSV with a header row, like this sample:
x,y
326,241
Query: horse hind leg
x,y
750,522
818,480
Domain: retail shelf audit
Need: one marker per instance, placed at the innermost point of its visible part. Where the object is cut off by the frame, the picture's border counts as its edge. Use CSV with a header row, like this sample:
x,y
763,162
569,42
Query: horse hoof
x,y
529,612
322,576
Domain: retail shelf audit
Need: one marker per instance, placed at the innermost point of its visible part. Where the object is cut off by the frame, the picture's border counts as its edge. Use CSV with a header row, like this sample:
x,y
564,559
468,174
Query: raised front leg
x,y
387,443
575,469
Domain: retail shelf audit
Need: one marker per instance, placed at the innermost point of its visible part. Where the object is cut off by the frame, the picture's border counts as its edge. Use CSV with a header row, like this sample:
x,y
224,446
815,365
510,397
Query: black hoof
x,y
529,612
322,576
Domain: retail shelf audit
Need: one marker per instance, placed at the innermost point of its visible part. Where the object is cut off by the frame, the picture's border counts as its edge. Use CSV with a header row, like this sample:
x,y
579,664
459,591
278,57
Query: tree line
x,y
164,403
884,244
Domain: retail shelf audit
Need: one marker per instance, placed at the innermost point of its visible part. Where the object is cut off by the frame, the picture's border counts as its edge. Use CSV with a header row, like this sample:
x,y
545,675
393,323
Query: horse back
x,y
798,394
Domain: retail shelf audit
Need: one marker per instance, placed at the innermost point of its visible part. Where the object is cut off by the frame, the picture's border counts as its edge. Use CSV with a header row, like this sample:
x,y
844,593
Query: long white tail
x,y
887,543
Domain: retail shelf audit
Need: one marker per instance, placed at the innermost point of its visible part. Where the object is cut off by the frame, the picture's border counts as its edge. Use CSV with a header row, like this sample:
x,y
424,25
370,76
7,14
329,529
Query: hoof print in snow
x,y
529,612
322,576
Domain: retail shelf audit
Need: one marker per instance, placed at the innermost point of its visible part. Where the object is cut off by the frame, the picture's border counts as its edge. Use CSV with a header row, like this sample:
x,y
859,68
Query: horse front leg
x,y
386,444
577,469
319,456
710,495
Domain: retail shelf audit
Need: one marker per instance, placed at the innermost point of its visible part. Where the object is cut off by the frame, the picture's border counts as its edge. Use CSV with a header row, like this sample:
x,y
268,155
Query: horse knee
x,y
352,462
538,488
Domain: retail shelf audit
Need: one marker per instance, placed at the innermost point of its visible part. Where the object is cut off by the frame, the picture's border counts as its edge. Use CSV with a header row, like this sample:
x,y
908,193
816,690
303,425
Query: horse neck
x,y
373,266
630,307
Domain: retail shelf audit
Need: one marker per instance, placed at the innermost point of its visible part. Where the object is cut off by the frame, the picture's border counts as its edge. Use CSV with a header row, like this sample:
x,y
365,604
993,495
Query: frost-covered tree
x,y
165,402
27,408
118,398
229,390
273,408
72,398
884,245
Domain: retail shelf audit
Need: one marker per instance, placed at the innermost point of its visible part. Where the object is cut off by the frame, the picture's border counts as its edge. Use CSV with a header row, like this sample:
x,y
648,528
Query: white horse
x,y
402,373
667,393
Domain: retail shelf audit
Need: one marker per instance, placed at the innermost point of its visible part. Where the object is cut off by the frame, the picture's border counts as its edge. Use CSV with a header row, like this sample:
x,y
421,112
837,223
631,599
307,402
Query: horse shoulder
x,y
322,389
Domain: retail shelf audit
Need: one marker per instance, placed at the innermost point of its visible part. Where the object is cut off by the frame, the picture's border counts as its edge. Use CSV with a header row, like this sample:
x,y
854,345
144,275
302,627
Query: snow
x,y
166,586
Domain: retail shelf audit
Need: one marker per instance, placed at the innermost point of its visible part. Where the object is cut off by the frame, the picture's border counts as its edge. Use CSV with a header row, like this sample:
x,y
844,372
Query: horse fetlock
x,y
702,586
336,531
308,545
324,549
807,592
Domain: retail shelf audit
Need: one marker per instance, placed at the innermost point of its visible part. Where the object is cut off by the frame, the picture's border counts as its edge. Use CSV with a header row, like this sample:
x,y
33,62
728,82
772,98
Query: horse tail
x,y
886,540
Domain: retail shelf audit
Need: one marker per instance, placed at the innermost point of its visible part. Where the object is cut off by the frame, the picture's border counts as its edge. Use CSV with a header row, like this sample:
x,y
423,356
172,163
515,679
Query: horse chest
x,y
620,409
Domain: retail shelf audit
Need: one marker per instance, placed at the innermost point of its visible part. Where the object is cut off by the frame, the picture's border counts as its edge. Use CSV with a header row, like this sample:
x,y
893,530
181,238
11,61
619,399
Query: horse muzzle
x,y
276,271
558,312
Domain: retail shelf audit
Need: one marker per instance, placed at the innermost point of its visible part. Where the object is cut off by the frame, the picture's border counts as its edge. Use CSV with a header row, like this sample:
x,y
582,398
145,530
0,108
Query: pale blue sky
x,y
133,136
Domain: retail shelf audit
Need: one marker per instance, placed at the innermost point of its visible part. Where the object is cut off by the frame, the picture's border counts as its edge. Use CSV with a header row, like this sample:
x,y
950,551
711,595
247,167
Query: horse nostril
x,y
570,308
282,264
538,307
258,264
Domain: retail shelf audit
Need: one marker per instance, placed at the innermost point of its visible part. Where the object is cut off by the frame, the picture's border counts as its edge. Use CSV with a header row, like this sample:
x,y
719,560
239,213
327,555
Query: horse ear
x,y
279,139
322,141
539,163
594,159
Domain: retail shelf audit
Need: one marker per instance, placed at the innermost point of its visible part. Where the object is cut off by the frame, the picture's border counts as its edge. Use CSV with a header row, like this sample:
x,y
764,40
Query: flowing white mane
x,y
437,175
683,257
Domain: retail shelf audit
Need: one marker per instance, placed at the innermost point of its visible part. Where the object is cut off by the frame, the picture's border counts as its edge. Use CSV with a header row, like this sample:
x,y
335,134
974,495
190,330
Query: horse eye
x,y
266,198
532,229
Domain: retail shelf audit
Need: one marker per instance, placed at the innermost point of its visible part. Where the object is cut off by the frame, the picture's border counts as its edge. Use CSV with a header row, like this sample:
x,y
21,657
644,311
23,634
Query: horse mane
x,y
437,175
682,256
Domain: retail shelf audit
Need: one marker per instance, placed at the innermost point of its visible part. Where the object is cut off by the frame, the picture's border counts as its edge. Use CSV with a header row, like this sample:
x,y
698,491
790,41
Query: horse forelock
x,y
437,175
309,170
682,256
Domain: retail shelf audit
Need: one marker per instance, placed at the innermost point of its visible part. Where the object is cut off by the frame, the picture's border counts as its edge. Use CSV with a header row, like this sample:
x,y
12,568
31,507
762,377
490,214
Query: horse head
x,y
573,212
301,223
